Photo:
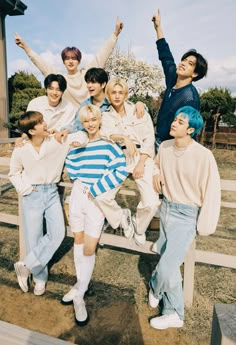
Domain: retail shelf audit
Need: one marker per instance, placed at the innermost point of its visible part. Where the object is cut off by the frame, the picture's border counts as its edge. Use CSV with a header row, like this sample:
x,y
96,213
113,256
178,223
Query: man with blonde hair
x,y
136,138
97,168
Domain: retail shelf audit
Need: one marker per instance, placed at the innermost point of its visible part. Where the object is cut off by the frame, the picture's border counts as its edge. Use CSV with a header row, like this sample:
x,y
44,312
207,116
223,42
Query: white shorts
x,y
84,215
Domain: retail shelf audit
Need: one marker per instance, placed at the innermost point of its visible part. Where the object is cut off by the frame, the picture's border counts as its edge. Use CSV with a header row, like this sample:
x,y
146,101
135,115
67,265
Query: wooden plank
x,y
228,204
189,266
9,218
5,161
215,259
123,242
7,140
15,335
228,185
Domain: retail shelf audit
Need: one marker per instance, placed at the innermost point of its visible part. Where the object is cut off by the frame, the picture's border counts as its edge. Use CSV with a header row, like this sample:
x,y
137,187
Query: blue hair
x,y
195,119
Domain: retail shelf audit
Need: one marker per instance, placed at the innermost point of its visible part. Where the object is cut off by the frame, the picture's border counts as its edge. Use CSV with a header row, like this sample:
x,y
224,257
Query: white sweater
x,y
191,177
28,167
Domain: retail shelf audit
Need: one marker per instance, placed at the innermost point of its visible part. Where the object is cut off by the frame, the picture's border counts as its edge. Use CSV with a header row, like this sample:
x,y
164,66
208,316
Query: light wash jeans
x,y
177,231
40,247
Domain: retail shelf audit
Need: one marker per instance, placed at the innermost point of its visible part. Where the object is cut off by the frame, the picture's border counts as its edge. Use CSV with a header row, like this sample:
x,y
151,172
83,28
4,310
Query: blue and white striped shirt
x,y
100,164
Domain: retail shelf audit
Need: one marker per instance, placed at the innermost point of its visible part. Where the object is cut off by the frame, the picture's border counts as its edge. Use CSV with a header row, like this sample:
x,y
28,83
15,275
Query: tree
x,y
22,88
217,103
144,80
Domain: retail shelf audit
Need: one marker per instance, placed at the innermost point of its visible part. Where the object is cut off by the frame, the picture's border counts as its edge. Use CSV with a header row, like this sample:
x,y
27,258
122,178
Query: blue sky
x,y
206,25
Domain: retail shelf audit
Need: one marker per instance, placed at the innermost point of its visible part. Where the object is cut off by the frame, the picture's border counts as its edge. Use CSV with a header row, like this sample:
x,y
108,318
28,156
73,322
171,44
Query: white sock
x,y
86,270
78,255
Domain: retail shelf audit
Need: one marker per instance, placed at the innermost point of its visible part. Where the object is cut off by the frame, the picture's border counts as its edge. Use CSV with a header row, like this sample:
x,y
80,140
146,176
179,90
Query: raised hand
x,y
157,20
119,26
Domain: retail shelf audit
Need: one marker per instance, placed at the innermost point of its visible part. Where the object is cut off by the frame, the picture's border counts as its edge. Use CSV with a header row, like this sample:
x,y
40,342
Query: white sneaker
x,y
22,273
154,247
67,299
81,315
152,300
140,240
166,321
127,224
39,289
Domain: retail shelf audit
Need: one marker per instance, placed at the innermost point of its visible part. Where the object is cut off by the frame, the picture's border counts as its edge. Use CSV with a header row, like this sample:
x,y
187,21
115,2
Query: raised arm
x,y
44,67
157,24
106,50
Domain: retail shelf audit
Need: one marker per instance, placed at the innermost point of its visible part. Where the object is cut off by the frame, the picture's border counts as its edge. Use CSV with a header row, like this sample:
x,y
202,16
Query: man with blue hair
x,y
188,178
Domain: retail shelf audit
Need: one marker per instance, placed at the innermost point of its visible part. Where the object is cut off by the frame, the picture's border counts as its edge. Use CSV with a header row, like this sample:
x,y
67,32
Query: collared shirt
x,y
77,125
55,117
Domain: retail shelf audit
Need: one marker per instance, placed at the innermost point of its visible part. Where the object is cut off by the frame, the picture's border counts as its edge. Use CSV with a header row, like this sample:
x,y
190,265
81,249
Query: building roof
x,y
12,7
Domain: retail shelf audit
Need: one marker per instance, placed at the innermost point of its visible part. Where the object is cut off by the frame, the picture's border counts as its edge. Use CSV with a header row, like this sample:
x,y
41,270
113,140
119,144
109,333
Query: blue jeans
x,y
40,247
177,231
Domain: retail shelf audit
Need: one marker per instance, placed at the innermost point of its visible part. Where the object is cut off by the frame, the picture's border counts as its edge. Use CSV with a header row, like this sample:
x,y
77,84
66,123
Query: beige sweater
x,y
76,91
191,177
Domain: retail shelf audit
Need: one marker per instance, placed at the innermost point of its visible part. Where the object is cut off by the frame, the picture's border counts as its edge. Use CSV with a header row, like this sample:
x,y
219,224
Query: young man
x,y
71,56
136,137
188,178
179,88
56,110
95,169
35,170
96,80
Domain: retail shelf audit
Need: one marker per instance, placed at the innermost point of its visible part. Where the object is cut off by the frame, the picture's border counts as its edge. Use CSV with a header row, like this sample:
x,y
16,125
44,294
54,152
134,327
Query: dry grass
x,y
117,302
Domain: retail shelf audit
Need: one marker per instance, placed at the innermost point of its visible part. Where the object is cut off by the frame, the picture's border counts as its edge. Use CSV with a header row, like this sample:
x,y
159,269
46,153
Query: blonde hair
x,y
86,110
116,81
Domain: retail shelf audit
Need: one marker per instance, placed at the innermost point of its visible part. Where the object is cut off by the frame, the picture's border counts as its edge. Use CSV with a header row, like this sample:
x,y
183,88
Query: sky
x,y
48,26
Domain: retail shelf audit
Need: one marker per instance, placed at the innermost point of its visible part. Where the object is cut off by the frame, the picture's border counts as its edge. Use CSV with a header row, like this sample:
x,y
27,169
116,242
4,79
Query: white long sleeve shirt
x,y
140,131
76,91
191,177
56,117
29,167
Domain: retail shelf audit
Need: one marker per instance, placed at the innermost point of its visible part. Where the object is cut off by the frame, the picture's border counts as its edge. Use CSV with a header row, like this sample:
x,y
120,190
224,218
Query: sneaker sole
x,y
39,292
18,275
170,326
82,323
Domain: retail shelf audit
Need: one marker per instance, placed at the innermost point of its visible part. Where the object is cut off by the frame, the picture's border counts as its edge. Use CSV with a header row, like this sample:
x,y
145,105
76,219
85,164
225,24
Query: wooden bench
x,y
224,325
15,335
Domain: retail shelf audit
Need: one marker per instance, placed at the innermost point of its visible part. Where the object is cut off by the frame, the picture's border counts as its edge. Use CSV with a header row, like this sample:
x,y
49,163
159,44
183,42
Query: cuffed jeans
x,y
177,231
40,247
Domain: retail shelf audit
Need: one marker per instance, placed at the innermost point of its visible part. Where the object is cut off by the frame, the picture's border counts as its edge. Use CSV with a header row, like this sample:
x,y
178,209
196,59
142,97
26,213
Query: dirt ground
x,y
117,300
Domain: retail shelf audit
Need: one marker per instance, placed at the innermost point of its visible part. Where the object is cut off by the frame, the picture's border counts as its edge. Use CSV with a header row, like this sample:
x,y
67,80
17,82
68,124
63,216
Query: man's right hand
x,y
157,24
19,41
61,136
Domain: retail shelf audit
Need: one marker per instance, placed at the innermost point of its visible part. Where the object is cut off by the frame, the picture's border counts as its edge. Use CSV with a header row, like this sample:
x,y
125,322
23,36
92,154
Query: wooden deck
x,y
15,335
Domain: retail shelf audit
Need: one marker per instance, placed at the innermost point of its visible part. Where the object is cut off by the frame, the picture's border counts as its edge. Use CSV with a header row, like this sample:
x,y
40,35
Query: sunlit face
x,y
95,89
180,127
71,63
92,124
54,94
186,67
40,130
117,96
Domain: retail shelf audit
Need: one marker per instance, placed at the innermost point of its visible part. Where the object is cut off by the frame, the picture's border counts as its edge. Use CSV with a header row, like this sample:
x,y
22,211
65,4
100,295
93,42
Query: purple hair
x,y
73,50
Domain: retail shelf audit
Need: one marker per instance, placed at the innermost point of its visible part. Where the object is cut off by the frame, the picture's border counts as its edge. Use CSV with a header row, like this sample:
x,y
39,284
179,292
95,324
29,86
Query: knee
x,y
88,251
78,237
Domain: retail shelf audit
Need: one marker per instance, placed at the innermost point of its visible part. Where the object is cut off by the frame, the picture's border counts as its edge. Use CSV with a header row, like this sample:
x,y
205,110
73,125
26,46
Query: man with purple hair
x,y
76,91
